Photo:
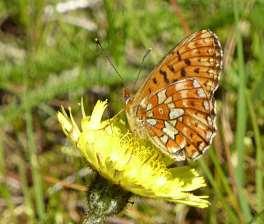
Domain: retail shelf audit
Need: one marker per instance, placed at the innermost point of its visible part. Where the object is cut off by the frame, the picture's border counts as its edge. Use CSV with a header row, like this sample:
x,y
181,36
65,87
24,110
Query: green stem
x,y
241,120
37,181
25,189
231,216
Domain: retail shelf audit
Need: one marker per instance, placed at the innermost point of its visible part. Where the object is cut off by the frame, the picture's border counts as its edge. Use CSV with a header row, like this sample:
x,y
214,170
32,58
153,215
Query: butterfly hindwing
x,y
179,119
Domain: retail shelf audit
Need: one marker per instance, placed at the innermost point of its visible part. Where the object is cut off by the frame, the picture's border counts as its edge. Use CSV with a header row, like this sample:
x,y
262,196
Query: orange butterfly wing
x,y
174,107
198,56
179,119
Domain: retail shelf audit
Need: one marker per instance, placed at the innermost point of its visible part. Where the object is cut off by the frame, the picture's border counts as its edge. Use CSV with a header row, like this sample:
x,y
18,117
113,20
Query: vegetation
x,y
49,58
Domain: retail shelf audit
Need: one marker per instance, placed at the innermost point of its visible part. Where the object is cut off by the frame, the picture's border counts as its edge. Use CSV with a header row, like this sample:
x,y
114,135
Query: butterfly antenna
x,y
108,59
141,65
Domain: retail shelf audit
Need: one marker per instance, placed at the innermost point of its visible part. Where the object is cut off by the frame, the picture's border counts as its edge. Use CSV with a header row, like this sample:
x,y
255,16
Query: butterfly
x,y
174,108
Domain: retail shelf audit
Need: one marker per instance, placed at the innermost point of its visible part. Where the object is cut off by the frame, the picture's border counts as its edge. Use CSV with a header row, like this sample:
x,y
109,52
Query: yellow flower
x,y
125,160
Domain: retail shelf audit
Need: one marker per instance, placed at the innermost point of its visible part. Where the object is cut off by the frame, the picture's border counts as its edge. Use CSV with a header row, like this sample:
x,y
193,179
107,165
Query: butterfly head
x,y
135,114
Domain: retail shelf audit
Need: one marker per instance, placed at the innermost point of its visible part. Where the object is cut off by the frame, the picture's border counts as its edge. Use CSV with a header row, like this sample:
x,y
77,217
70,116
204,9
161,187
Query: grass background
x,y
48,58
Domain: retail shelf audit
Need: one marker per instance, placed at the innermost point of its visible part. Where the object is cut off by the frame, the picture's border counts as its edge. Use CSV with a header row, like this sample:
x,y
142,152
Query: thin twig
x,y
63,184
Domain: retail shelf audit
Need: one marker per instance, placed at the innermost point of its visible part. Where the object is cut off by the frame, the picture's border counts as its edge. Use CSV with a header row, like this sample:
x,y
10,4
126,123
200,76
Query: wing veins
x,y
188,115
190,49
188,140
192,98
192,108
195,132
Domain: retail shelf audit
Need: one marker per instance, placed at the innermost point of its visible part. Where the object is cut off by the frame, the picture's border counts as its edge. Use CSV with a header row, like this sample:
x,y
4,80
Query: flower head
x,y
130,162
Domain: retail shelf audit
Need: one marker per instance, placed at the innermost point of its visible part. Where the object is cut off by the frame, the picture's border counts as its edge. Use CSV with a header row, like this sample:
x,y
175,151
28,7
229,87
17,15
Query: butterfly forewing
x,y
174,107
198,56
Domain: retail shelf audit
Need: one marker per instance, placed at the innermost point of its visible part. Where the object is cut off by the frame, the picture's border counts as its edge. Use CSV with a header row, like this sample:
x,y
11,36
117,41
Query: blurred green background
x,y
48,58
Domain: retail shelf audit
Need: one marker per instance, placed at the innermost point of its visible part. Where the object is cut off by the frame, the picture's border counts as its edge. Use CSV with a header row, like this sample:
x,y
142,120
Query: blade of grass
x,y
259,157
37,180
25,189
224,179
232,217
241,120
31,150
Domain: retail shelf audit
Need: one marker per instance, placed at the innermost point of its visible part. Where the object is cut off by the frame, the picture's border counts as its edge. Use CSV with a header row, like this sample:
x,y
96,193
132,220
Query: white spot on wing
x,y
143,103
206,105
205,148
151,121
175,113
212,137
161,96
209,120
149,106
209,135
212,71
201,93
164,139
169,130
201,146
196,84
195,155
